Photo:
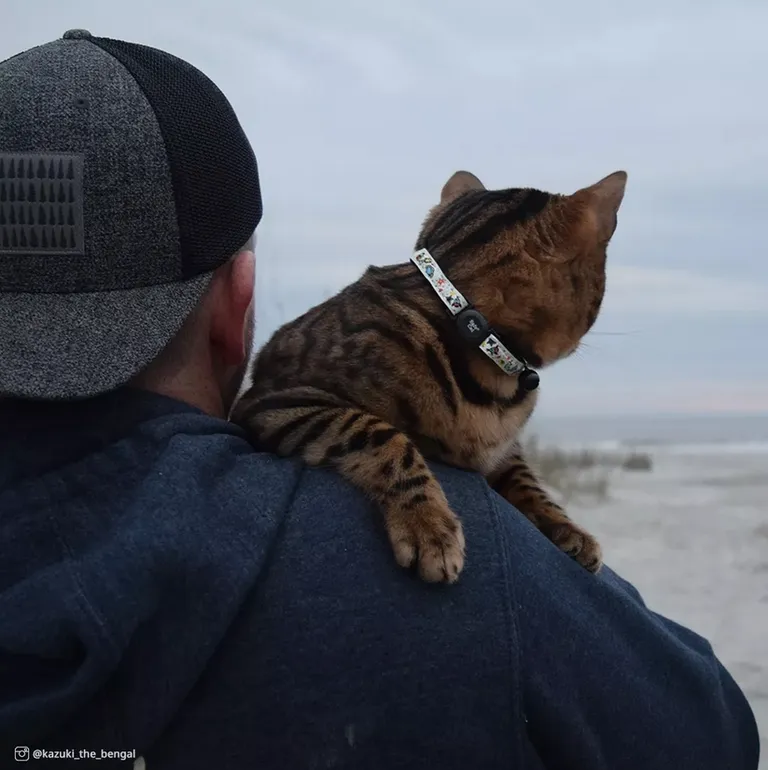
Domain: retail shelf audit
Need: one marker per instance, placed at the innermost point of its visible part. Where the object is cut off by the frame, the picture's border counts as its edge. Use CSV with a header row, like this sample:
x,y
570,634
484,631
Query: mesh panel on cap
x,y
213,168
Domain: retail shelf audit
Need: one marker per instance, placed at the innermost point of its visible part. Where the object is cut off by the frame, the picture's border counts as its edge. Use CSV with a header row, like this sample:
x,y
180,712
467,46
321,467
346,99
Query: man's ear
x,y
231,299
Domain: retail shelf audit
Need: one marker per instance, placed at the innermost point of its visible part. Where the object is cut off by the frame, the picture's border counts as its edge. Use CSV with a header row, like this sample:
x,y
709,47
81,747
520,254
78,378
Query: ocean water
x,y
691,534
710,433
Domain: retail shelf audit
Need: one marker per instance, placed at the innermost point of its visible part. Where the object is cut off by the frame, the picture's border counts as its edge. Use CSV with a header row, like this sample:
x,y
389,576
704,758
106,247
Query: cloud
x,y
632,289
360,53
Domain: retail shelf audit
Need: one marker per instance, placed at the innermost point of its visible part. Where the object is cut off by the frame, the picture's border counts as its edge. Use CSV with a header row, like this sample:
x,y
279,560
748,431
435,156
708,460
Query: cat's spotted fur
x,y
376,379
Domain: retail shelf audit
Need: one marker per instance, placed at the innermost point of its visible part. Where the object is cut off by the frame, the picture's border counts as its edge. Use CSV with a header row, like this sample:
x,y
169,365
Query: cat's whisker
x,y
613,334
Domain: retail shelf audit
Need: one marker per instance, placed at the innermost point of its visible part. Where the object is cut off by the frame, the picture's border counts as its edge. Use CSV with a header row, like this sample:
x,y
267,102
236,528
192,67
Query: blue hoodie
x,y
169,593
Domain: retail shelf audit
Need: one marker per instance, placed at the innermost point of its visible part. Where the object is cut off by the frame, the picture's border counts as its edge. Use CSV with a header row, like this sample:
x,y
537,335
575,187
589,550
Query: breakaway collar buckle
x,y
472,325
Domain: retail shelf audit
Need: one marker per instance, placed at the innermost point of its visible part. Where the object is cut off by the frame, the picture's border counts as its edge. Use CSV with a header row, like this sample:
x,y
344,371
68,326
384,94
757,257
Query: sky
x,y
359,112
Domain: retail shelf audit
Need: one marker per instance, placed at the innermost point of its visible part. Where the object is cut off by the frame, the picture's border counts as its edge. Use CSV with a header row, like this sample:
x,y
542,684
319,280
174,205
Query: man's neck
x,y
200,392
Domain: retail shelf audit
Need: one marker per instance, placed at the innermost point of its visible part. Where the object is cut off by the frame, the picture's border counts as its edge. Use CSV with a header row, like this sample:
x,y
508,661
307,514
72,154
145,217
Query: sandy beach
x,y
692,536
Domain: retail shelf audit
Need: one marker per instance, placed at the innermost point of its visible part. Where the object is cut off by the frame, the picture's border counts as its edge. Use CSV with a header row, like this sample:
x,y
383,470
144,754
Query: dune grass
x,y
584,473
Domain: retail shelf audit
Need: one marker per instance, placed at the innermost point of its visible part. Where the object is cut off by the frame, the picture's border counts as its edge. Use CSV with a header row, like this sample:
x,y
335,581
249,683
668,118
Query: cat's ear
x,y
460,182
603,200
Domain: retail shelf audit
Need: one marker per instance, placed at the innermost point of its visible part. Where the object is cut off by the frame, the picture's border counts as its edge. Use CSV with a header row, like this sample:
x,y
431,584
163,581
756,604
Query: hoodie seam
x,y
82,597
294,494
514,645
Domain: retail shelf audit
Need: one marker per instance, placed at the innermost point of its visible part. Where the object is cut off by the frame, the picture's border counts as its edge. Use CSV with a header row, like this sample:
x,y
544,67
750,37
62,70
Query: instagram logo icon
x,y
21,753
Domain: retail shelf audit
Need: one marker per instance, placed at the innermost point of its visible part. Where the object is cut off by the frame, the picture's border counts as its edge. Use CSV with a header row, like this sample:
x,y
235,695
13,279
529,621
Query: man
x,y
169,593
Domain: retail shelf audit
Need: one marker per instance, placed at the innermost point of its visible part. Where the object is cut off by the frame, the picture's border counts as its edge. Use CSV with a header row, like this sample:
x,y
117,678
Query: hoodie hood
x,y
128,543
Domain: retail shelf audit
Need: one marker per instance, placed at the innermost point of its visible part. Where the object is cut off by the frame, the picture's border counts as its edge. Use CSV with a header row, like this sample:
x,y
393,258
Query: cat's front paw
x,y
579,544
431,537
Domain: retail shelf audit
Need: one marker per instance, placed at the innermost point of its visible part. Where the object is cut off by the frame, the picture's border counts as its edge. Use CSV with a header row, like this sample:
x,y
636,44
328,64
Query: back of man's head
x,y
128,197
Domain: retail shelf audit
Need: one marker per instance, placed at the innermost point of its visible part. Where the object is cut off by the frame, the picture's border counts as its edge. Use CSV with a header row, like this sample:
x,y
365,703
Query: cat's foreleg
x,y
517,483
374,456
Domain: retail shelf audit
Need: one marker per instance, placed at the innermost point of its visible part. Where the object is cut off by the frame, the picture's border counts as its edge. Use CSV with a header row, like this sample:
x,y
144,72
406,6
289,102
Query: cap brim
x,y
62,346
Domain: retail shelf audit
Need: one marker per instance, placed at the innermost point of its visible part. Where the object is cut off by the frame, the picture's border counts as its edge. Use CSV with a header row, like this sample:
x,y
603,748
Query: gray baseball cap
x,y
125,181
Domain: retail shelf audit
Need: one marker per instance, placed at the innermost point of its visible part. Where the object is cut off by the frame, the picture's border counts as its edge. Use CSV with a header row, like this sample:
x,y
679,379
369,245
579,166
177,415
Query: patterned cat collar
x,y
471,323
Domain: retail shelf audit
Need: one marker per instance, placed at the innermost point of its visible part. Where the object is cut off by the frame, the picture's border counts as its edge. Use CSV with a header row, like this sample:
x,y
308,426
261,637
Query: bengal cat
x,y
377,379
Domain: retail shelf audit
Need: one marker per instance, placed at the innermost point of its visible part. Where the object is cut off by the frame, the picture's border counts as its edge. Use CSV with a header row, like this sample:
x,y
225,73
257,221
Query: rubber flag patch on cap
x,y
41,204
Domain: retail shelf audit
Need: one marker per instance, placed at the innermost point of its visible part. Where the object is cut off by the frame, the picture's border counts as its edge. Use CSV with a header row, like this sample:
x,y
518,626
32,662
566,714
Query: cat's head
x,y
532,262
